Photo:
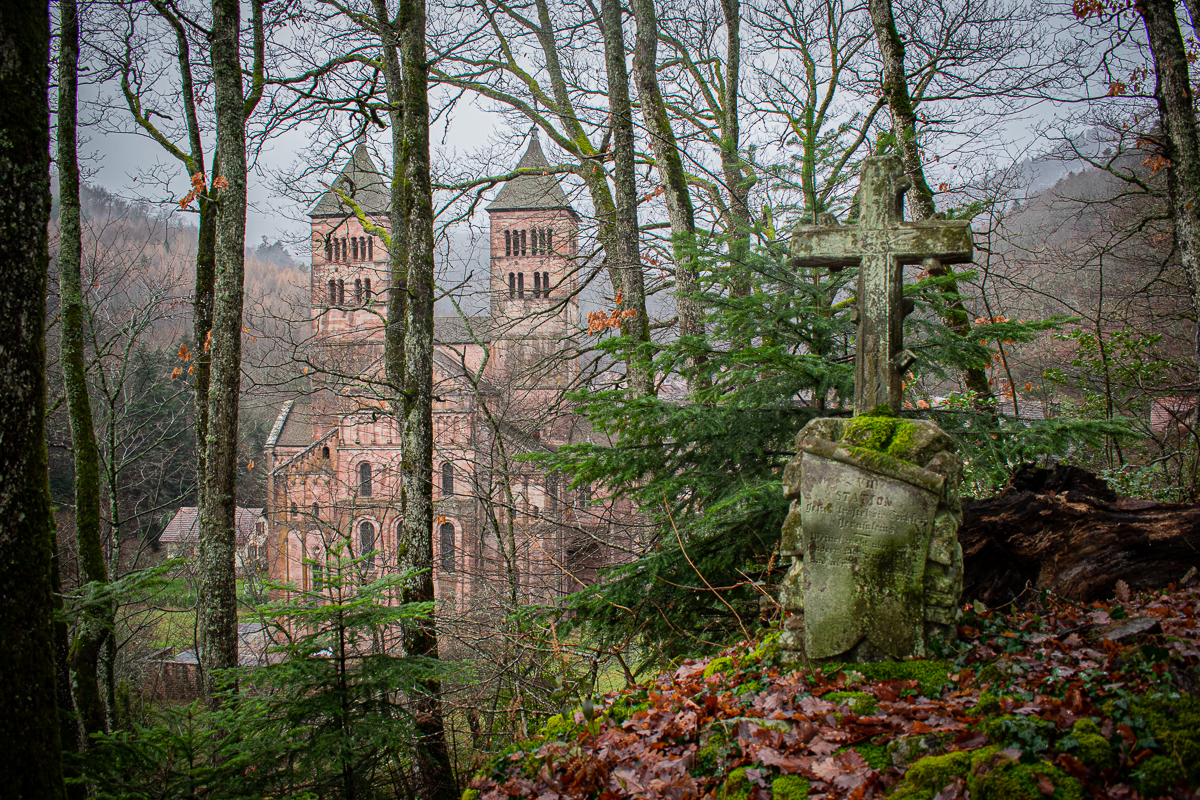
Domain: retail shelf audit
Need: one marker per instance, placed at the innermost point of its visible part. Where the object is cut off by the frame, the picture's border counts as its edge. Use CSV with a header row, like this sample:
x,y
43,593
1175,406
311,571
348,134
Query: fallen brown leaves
x,y
681,736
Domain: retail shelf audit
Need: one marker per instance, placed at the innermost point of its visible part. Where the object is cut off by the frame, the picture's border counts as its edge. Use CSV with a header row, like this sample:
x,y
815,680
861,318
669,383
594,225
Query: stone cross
x,y
880,244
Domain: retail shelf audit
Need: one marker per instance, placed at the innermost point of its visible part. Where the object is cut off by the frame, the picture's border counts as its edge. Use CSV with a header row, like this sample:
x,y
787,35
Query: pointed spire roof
x,y
359,179
526,192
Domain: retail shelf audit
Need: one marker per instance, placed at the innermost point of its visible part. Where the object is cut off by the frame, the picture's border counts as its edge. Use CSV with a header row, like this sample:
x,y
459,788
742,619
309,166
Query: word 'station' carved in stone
x,y
880,244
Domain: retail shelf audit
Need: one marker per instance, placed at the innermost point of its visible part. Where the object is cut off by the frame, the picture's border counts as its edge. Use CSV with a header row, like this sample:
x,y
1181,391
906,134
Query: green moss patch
x,y
789,787
989,774
860,703
931,676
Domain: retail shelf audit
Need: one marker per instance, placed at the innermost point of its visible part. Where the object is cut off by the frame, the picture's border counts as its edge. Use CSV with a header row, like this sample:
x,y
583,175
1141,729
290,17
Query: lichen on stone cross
x,y
880,244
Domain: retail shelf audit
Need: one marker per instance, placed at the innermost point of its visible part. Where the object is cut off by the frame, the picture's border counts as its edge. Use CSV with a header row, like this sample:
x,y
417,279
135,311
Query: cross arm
x,y
825,246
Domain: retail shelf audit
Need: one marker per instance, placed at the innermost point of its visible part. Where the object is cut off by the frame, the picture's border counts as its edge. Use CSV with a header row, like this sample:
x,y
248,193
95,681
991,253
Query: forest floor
x,y
1060,700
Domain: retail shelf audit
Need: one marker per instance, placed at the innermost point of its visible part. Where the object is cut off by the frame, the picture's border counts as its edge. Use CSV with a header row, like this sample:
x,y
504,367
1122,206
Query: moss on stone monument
x,y
880,439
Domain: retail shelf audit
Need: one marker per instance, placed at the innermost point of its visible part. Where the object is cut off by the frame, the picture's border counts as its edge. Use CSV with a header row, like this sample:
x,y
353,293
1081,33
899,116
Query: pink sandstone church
x,y
502,527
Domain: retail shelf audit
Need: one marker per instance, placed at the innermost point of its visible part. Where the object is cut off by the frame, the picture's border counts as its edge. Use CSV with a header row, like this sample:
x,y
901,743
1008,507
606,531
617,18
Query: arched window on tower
x,y
345,250
447,479
362,248
354,248
325,453
367,289
521,285
550,241
545,284
341,292
552,494
316,512
366,542
512,284
332,292
447,546
364,479
358,291
328,249
522,242
333,248
533,245
537,284
508,243
370,248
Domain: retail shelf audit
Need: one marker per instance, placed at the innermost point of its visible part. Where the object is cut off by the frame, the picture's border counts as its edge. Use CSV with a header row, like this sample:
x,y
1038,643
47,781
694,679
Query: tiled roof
x,y
297,428
361,180
184,526
453,330
531,191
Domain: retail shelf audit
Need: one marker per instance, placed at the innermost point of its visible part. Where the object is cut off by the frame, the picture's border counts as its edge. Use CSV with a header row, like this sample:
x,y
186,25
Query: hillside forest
x,y
150,345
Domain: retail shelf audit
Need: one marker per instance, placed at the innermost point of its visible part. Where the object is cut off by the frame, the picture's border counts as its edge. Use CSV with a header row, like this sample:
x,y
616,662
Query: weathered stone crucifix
x,y
880,244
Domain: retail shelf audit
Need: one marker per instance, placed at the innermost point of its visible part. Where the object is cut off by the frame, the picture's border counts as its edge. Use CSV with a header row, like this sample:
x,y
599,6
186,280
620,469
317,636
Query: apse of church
x,y
333,453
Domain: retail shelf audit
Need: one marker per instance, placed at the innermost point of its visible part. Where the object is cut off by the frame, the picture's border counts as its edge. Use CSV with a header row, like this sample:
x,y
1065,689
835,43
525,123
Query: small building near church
x,y
182,538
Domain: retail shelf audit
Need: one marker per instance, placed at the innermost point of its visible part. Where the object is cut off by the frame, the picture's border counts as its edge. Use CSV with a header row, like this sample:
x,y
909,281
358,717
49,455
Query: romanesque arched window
x,y
345,250
508,243
537,284
325,452
512,284
522,242
364,479
332,292
545,284
447,479
354,248
328,249
367,289
341,292
366,542
521,284
534,245
370,248
446,535
358,291
550,241
316,511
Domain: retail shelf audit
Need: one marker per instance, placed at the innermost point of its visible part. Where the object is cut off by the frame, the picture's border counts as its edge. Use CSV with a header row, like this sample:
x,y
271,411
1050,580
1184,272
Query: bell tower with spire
x,y
534,245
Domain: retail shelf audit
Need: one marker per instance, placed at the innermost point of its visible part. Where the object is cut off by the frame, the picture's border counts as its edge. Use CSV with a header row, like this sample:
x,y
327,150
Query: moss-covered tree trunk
x,y
218,593
415,195
920,196
31,764
671,173
96,623
1180,141
625,248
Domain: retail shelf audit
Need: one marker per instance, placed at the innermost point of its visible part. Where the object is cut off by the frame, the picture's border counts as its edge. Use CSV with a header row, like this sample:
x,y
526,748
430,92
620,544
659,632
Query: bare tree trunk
x,y
218,595
626,251
96,623
1180,141
416,546
31,767
920,196
667,158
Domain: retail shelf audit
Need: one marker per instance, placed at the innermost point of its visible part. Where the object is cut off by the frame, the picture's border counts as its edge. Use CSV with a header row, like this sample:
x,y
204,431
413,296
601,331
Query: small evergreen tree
x,y
327,717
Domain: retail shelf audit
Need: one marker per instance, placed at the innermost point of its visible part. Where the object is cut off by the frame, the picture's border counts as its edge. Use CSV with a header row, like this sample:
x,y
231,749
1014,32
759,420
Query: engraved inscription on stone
x,y
866,537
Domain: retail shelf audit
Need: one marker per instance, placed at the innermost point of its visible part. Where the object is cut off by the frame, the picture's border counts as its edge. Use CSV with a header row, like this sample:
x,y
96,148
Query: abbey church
x,y
499,379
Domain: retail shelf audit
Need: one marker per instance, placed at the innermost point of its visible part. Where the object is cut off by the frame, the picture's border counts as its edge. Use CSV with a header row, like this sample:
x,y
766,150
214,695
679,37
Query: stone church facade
x,y
502,526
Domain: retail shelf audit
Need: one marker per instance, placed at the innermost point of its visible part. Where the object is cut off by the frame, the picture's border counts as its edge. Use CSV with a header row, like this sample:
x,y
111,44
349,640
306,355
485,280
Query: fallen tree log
x,y
1064,530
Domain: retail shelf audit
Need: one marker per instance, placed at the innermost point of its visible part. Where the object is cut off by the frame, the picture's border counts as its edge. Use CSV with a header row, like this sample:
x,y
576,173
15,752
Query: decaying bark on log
x,y
1064,530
